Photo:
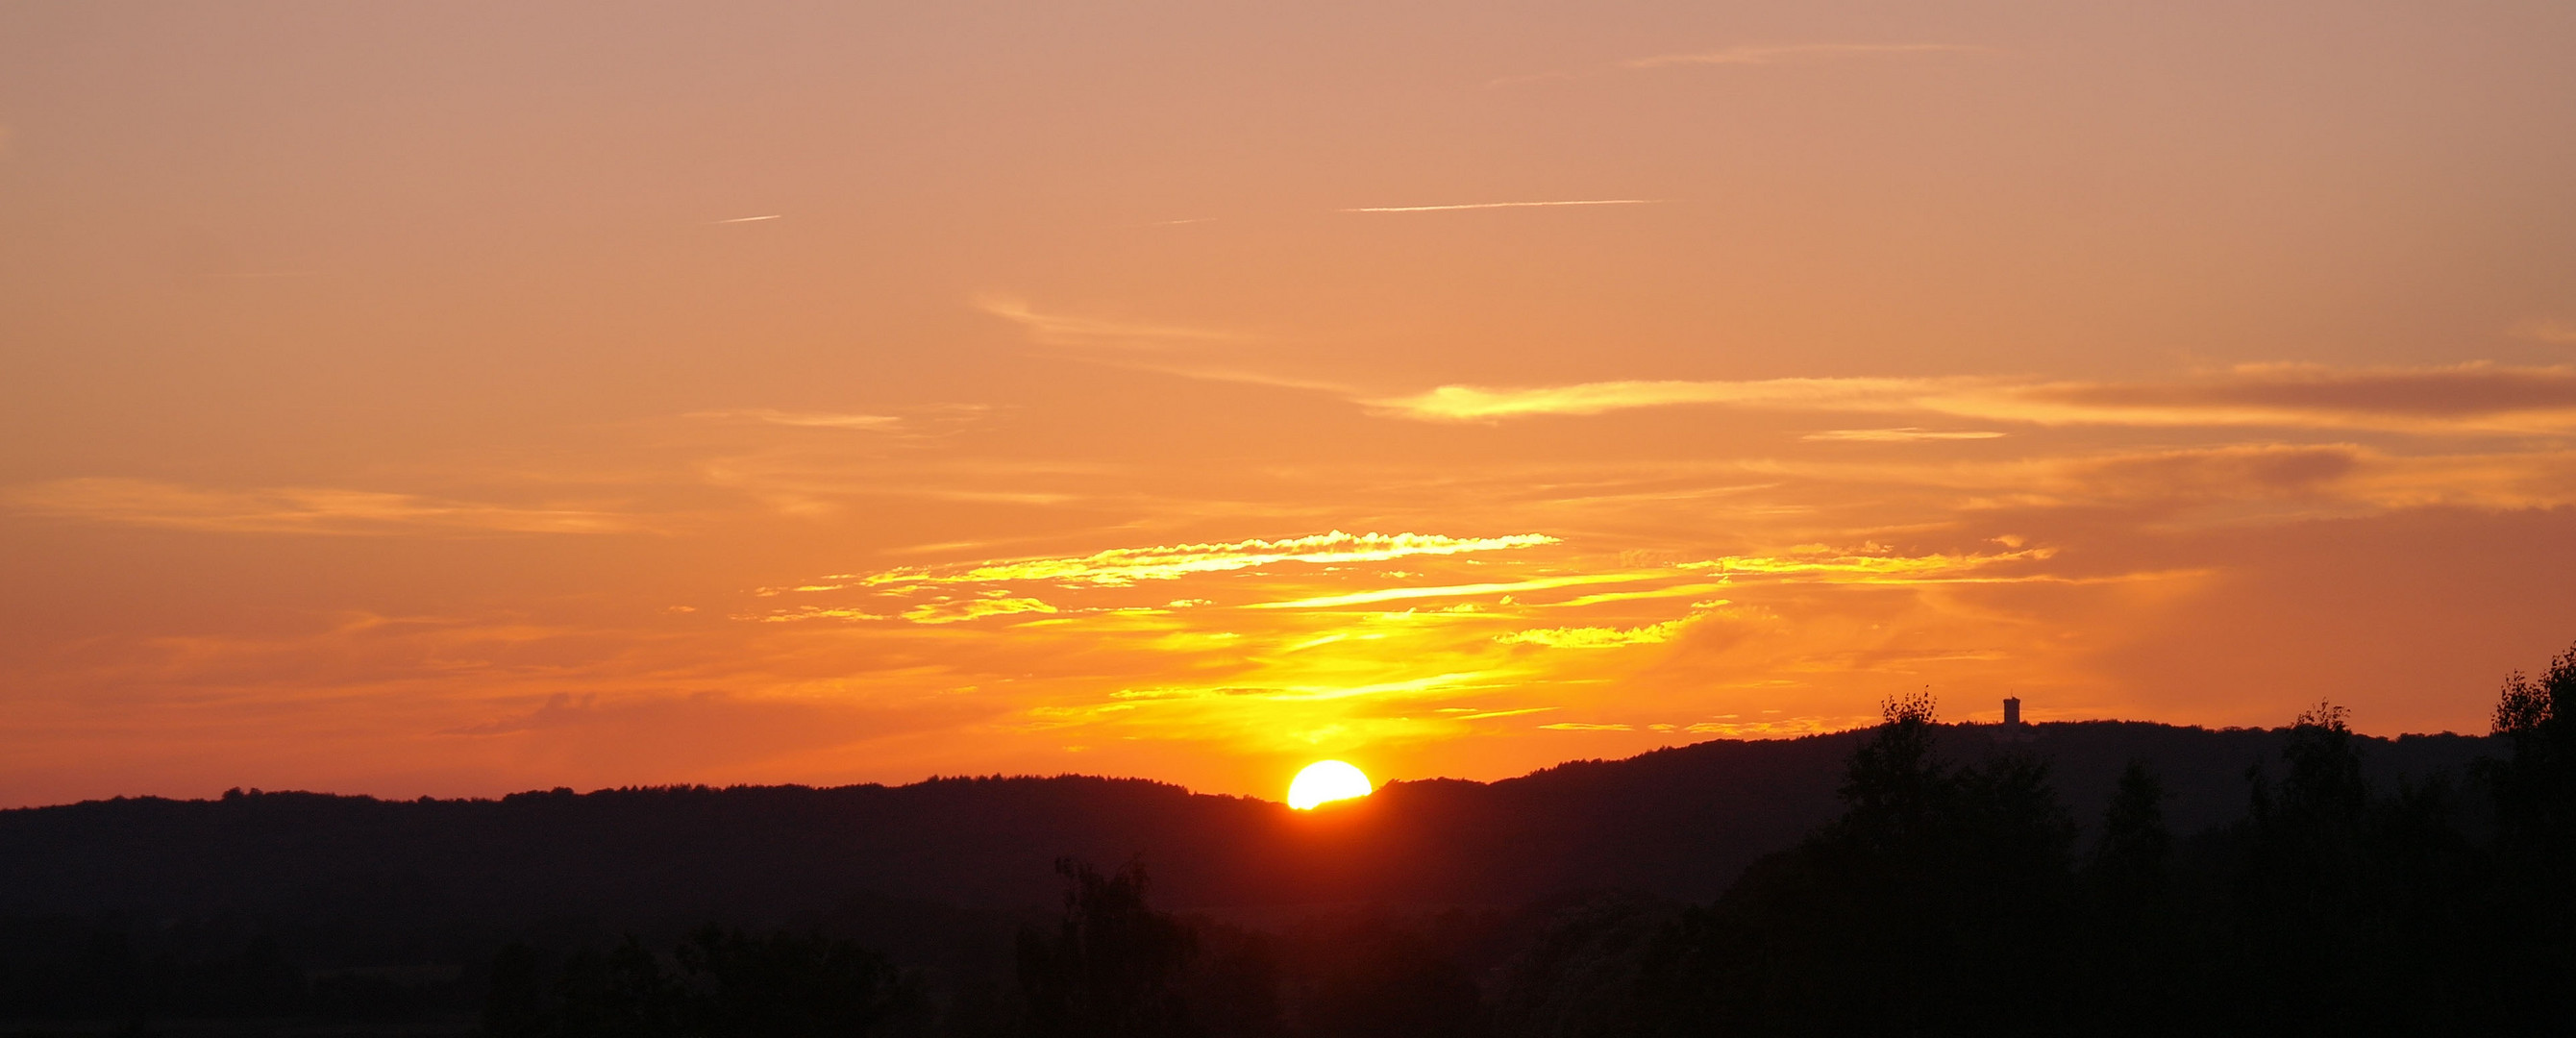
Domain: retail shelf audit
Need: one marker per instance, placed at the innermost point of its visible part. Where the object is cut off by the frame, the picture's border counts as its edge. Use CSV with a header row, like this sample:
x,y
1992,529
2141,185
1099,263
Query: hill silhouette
x,y
1913,877
1679,823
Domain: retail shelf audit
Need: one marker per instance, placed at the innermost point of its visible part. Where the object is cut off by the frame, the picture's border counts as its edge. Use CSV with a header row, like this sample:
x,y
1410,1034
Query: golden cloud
x,y
1670,591
2477,398
956,611
1869,565
816,613
1480,403
1596,637
1398,594
1120,567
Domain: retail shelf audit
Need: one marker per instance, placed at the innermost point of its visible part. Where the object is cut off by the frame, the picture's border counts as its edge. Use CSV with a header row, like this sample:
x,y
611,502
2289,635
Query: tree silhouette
x,y
2534,789
1113,966
1896,783
1937,904
2133,954
2130,861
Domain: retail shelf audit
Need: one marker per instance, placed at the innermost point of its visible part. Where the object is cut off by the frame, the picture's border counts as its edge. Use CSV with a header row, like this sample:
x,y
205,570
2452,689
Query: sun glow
x,y
1327,780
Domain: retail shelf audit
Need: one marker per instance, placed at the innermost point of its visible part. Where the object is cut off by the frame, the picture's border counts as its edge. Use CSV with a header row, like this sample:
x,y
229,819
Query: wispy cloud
x,y
2237,472
2285,479
2537,329
1498,205
1596,637
1408,686
2466,398
1306,645
1486,403
815,613
1061,329
949,612
1905,435
2471,398
1120,567
1870,564
309,510
1208,354
1398,594
805,419
1671,591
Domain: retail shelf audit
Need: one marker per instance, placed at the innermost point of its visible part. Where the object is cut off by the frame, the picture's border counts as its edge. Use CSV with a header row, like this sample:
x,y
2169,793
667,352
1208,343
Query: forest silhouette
x,y
1916,878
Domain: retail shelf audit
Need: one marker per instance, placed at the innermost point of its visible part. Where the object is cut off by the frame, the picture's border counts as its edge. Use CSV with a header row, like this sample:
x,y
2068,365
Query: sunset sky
x,y
458,398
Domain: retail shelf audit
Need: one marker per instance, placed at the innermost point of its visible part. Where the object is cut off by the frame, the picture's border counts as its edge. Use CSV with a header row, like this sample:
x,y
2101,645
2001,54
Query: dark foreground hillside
x,y
1678,823
1528,899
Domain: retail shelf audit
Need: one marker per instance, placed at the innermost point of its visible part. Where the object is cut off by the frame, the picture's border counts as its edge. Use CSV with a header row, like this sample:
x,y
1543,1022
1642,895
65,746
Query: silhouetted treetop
x,y
1112,967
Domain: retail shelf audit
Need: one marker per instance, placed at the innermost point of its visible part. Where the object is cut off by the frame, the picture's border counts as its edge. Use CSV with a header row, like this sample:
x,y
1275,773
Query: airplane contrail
x,y
749,219
1498,205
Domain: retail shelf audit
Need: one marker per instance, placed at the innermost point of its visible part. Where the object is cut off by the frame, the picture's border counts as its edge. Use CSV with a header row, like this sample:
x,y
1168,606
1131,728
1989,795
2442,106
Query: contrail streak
x,y
750,219
1498,205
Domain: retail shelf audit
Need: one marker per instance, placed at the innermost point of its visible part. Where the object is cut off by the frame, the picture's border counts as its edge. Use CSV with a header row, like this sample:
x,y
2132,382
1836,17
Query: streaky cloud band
x,y
2473,399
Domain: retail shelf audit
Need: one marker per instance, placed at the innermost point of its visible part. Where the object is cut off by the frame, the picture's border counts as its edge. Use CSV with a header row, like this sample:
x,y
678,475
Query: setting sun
x,y
806,483
1327,780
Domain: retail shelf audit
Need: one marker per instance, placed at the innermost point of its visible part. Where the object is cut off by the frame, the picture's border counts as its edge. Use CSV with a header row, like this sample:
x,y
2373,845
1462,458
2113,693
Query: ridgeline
x,y
2093,877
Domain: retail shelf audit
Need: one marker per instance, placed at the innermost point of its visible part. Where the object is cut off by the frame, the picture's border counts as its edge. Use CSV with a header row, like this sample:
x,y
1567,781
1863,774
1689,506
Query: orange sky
x,y
458,398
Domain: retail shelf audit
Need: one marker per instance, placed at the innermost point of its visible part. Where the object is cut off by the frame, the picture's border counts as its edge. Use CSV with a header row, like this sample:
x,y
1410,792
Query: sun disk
x,y
1327,780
